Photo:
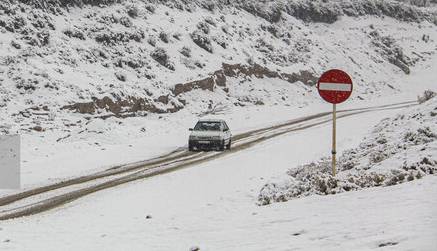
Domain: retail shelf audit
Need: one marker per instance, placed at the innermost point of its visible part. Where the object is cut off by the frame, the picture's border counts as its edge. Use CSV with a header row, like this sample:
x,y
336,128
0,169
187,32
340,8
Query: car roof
x,y
211,120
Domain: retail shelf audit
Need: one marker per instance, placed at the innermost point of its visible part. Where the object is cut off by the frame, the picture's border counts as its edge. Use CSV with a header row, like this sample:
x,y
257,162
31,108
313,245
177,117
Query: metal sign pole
x,y
334,122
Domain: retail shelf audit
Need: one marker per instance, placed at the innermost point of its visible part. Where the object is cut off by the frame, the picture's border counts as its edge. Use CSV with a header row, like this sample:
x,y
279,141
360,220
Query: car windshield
x,y
207,126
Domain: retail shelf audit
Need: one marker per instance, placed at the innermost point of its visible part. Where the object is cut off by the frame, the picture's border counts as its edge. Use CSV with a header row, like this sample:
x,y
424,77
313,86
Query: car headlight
x,y
216,137
193,137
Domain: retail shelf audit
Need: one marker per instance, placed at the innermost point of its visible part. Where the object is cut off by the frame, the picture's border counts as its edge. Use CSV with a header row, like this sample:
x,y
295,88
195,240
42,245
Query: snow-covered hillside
x,y
64,63
399,149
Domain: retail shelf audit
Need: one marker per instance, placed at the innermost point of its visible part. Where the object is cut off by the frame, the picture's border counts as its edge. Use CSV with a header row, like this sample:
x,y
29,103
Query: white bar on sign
x,y
345,87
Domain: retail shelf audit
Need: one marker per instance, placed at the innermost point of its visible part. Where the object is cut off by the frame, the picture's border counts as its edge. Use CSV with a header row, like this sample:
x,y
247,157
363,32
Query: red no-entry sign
x,y
335,86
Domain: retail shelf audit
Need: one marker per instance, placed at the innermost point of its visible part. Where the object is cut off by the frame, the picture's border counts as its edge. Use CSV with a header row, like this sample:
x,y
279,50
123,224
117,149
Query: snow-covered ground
x,y
214,206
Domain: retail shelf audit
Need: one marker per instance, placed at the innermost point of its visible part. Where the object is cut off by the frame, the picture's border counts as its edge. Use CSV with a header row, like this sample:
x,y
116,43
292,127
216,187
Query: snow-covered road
x,y
44,198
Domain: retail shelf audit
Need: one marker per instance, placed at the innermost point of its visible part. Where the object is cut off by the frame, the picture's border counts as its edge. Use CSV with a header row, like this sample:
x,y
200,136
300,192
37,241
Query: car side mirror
x,y
190,129
226,129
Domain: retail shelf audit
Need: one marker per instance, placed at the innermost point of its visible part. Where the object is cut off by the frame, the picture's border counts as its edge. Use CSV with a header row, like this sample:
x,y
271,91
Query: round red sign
x,y
335,86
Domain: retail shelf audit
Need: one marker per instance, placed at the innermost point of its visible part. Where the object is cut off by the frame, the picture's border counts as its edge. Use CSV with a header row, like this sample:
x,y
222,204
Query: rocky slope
x,y
65,62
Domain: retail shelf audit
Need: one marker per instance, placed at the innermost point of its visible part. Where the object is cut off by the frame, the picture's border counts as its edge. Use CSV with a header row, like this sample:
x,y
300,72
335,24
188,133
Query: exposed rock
x,y
305,77
260,72
234,70
38,128
219,78
254,70
119,107
270,11
163,99
315,11
204,84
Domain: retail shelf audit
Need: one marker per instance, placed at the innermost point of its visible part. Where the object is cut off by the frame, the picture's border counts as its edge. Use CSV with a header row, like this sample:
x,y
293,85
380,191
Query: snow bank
x,y
398,150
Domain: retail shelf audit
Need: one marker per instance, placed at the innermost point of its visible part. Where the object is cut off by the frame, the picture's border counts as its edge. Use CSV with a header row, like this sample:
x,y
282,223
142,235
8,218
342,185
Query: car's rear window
x,y
207,126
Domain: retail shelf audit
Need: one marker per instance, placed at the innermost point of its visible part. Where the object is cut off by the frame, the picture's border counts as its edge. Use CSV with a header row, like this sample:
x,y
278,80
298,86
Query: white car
x,y
208,134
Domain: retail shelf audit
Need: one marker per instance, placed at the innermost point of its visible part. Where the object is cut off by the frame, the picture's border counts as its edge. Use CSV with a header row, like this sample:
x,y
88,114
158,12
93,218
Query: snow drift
x,y
399,149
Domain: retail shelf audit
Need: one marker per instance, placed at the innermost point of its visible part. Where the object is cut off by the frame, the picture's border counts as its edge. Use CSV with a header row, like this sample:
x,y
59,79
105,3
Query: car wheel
x,y
190,148
229,145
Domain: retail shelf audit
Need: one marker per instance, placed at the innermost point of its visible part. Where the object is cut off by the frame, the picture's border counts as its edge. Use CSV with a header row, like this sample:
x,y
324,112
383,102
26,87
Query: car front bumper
x,y
205,144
